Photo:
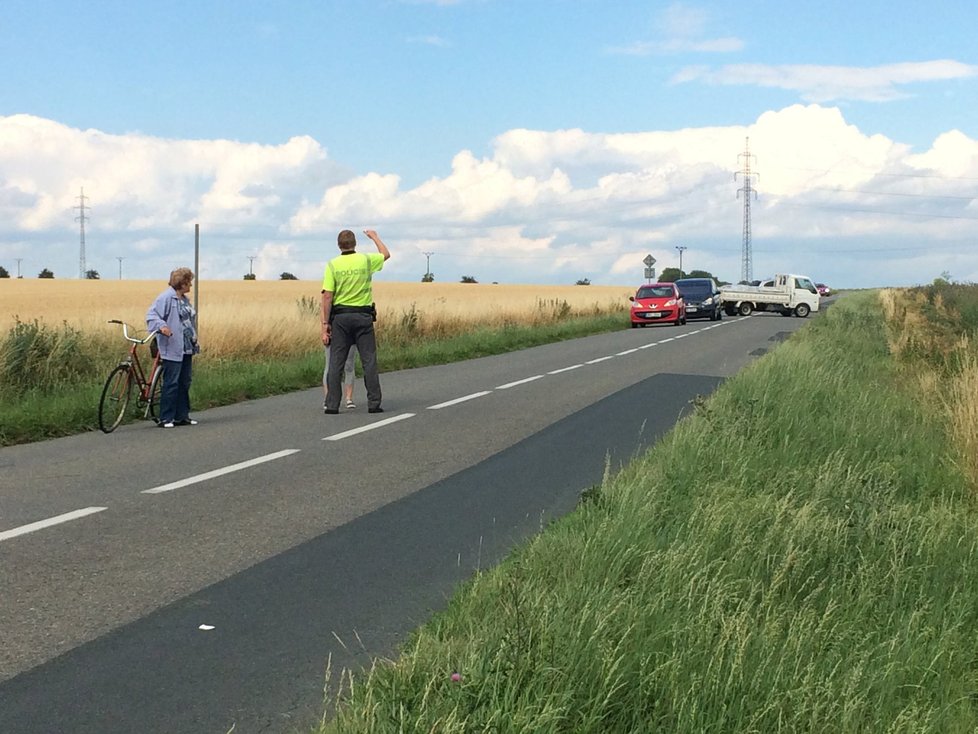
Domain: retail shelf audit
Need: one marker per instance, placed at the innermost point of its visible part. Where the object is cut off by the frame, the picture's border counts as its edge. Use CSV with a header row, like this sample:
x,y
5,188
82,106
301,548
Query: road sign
x,y
650,273
649,260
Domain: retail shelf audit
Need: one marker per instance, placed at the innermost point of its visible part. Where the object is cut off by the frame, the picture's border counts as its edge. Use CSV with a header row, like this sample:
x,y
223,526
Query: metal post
x,y
197,277
120,259
681,248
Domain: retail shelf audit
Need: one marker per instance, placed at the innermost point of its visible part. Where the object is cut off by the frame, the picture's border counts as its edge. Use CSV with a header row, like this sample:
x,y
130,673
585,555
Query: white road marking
x,y
663,341
41,524
565,369
220,472
602,359
369,427
627,351
456,401
522,382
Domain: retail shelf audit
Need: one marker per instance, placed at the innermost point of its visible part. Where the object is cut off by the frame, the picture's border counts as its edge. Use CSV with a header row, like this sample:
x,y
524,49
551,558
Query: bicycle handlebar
x,y
125,332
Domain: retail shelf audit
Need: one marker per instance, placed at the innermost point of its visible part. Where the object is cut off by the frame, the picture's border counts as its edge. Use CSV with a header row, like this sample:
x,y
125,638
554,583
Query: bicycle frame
x,y
142,378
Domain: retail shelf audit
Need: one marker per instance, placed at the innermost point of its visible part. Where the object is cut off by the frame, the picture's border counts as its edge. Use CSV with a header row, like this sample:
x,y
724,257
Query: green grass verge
x,y
811,565
35,414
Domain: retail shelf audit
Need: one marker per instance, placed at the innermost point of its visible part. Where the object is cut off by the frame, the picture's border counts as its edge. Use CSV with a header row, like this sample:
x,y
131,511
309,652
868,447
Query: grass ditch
x,y
809,565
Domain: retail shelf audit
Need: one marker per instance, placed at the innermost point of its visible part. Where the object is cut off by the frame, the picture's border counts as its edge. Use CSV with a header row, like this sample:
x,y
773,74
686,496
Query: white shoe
x,y
350,405
168,424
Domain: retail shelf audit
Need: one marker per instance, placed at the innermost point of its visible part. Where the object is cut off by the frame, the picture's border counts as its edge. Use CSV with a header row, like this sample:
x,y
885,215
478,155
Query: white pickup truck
x,y
788,294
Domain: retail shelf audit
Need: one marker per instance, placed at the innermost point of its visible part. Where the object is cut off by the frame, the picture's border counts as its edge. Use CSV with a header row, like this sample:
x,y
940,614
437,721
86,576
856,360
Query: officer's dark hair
x,y
346,240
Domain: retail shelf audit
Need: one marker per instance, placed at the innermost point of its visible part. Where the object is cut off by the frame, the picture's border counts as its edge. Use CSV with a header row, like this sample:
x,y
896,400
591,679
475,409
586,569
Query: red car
x,y
657,303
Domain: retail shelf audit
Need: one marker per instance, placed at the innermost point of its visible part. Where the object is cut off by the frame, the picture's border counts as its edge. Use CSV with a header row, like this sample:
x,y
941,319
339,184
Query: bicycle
x,y
118,387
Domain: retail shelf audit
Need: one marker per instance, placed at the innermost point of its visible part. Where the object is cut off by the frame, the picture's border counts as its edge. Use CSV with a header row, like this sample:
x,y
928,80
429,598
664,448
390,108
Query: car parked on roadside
x,y
657,303
823,290
702,298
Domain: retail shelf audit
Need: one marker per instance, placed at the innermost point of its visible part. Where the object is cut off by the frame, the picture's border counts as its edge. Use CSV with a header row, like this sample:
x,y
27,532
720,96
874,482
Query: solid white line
x,y
602,359
41,524
220,472
369,427
456,401
565,369
519,382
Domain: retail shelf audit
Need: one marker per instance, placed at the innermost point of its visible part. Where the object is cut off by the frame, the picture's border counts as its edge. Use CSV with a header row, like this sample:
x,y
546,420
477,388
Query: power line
x,y
81,218
746,257
850,210
895,193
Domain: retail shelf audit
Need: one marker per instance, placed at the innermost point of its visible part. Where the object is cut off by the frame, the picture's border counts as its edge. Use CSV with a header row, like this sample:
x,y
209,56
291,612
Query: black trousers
x,y
349,329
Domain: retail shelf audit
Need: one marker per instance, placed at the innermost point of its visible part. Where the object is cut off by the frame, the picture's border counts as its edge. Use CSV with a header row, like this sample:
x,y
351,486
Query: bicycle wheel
x,y
115,398
155,391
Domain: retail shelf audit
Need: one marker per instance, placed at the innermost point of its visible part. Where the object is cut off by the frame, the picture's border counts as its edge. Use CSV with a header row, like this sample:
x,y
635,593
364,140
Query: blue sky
x,y
520,140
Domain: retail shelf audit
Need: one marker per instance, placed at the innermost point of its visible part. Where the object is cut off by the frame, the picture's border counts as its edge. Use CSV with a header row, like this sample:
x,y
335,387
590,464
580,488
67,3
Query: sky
x,y
511,141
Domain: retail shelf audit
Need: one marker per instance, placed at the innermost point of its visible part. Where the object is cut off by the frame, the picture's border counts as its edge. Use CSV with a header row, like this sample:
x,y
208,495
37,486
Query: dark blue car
x,y
702,297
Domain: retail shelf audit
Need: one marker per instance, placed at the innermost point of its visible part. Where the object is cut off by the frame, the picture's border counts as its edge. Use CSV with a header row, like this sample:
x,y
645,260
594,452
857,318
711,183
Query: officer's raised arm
x,y
381,247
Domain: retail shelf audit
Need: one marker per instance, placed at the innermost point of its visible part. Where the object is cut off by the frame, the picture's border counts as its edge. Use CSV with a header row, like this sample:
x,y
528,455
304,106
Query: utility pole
x,y
120,259
251,261
681,249
427,267
747,256
18,266
81,218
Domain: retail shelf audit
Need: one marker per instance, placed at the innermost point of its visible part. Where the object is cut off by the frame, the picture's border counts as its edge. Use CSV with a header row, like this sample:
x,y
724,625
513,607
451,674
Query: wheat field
x,y
282,317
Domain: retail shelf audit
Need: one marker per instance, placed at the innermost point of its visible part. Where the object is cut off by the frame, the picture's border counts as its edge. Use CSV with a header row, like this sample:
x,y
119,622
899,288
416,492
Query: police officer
x,y
348,315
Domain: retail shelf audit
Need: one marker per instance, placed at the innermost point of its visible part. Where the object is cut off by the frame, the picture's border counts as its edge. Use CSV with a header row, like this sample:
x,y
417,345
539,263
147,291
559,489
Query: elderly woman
x,y
174,319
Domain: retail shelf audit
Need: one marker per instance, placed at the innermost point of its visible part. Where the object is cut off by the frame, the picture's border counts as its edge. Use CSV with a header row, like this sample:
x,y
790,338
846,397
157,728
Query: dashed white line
x,y
663,341
602,359
41,524
565,369
520,382
369,427
220,472
456,401
627,351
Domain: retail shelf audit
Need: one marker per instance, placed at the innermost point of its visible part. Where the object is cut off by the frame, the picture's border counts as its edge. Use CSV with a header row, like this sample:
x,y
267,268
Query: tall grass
x,y
808,565
933,332
34,354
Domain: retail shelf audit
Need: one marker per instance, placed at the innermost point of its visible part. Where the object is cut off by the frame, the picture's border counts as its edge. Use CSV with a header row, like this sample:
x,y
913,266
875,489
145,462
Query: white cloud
x,y
847,207
683,29
829,83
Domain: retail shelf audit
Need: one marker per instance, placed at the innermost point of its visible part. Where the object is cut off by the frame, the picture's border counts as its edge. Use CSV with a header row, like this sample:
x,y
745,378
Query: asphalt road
x,y
294,537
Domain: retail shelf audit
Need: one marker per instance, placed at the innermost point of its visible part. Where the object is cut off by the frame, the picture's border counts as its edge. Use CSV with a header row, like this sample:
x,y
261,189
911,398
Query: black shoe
x,y
375,410
187,422
329,411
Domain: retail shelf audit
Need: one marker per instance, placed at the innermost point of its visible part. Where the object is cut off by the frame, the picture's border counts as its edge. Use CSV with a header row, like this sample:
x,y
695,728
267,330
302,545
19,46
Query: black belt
x,y
353,309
